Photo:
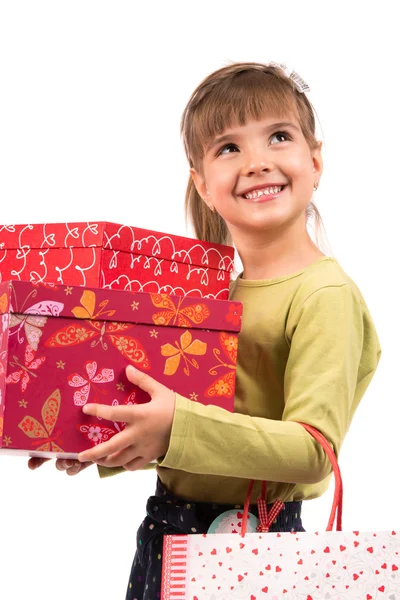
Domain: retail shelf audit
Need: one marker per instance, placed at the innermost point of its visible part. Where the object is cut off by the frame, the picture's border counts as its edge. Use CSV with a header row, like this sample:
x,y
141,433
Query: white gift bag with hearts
x,y
331,565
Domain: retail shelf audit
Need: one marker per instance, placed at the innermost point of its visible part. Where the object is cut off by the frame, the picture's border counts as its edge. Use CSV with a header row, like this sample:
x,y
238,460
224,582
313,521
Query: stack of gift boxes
x,y
81,301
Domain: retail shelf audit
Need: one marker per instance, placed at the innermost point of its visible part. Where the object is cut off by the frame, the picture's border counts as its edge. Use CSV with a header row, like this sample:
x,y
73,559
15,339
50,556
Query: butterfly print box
x,y
115,257
64,346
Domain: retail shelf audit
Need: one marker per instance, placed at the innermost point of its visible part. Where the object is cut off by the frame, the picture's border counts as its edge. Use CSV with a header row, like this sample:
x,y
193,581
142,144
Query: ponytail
x,y
318,230
208,225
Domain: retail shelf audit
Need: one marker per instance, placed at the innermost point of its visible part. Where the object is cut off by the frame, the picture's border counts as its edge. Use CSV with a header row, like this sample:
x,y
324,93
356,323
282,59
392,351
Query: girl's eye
x,y
226,147
282,134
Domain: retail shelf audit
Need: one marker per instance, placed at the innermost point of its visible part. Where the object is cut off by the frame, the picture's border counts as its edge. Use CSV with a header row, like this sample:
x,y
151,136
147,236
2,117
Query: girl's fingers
x,y
71,466
118,442
118,459
62,464
111,413
142,380
77,467
124,459
136,463
34,463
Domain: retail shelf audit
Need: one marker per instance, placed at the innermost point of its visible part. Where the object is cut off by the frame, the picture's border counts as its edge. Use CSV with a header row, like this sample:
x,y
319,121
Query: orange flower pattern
x,y
88,305
73,335
225,384
172,315
42,434
3,303
180,350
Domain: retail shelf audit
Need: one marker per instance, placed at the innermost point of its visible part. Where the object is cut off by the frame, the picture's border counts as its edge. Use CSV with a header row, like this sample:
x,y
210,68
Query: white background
x,y
91,94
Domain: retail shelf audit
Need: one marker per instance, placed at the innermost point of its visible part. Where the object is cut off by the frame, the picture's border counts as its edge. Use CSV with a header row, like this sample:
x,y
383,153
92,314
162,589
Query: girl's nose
x,y
255,166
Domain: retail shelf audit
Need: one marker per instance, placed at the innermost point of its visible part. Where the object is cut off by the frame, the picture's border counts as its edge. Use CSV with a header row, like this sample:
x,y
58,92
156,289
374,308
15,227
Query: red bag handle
x,y
337,504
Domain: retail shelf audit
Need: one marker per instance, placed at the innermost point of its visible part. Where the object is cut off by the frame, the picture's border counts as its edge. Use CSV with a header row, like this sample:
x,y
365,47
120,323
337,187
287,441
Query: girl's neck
x,y
277,256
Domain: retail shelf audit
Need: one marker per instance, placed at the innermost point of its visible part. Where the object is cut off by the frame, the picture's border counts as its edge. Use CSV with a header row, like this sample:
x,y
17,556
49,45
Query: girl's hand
x,y
73,467
148,427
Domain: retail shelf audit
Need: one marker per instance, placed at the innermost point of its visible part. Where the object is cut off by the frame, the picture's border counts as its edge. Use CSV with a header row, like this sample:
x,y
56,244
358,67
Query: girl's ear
x,y
199,183
318,165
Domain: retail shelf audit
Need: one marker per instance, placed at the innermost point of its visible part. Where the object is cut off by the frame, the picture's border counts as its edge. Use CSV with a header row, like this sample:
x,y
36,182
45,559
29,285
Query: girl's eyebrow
x,y
230,136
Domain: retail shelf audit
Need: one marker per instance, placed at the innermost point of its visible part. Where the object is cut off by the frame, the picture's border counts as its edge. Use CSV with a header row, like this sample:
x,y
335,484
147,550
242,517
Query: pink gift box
x,y
62,346
115,256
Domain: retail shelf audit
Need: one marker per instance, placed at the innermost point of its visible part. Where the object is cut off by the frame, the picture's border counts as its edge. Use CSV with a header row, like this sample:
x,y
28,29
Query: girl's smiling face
x,y
259,154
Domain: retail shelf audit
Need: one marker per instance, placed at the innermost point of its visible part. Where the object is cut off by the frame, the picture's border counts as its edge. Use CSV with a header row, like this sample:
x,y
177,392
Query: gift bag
x,y
331,565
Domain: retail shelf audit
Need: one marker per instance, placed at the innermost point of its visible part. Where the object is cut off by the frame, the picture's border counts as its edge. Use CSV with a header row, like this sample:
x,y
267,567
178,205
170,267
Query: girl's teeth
x,y
258,193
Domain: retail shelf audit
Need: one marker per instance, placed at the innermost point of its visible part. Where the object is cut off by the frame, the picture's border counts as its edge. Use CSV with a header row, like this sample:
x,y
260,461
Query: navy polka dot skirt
x,y
166,515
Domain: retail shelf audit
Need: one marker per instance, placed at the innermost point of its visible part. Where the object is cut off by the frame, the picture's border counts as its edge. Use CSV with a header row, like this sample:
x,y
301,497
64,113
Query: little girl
x,y
308,348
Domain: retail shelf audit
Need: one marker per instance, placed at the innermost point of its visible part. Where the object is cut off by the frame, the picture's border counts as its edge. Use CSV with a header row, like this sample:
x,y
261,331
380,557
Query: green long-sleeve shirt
x,y
307,351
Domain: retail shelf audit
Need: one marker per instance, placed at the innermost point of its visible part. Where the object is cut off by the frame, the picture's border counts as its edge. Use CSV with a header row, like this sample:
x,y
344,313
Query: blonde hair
x,y
232,95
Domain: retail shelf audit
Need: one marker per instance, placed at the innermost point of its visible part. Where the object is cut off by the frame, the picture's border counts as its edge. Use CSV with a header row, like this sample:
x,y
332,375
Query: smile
x,y
269,192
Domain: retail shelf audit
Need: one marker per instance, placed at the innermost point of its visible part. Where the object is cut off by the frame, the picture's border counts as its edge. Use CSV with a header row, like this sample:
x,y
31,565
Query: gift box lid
x,y
97,304
122,238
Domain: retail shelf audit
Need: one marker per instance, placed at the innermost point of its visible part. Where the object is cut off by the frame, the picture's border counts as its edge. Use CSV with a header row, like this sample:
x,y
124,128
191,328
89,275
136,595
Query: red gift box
x,y
115,256
62,346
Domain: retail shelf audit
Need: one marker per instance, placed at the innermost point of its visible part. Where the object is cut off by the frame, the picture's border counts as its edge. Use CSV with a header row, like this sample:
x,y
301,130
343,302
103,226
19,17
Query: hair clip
x,y
298,81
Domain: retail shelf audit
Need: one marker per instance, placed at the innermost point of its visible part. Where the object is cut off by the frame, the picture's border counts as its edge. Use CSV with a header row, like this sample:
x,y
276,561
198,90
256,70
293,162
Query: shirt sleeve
x,y
333,354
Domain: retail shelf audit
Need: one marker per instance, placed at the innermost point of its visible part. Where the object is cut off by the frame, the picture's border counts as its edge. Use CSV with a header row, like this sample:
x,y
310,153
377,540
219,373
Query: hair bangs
x,y
248,96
